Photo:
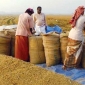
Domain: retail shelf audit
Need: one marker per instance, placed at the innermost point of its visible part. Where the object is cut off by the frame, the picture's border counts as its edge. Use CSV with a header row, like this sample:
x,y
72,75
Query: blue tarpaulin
x,y
75,74
53,29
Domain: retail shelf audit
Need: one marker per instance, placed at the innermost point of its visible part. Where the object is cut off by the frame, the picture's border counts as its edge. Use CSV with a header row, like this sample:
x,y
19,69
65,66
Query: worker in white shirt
x,y
40,21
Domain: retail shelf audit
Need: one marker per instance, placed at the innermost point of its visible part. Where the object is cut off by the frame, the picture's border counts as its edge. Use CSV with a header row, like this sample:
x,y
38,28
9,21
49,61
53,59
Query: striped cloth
x,y
73,54
78,12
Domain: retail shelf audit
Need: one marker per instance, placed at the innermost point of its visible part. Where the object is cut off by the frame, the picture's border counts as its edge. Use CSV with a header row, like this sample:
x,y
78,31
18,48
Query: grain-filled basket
x,y
12,34
63,43
83,56
2,31
36,50
51,42
5,44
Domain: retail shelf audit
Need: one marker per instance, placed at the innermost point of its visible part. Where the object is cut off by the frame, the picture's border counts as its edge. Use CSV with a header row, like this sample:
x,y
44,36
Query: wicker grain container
x,y
5,44
63,42
36,50
51,44
83,58
2,32
12,34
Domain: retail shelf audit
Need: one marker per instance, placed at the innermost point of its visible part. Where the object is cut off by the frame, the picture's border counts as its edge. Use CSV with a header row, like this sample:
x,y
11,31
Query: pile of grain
x,y
17,72
63,42
51,44
36,50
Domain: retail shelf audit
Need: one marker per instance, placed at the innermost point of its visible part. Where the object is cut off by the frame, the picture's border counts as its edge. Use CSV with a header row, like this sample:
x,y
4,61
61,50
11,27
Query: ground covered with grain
x,y
17,72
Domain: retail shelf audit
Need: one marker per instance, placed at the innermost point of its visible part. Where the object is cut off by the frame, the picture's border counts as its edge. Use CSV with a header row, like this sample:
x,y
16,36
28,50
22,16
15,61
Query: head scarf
x,y
77,14
29,10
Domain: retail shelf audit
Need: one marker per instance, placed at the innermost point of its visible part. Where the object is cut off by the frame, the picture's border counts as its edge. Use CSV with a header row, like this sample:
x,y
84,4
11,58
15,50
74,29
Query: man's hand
x,y
30,35
33,31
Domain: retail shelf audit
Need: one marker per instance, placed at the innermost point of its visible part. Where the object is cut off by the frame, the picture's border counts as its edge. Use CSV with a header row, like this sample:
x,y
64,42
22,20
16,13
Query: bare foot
x,y
64,67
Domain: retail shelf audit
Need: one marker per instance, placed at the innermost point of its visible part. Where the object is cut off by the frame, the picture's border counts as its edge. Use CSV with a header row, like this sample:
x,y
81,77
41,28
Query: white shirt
x,y
76,33
39,19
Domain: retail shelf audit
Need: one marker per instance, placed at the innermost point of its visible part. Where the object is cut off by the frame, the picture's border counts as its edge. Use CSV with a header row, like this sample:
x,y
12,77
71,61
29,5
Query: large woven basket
x,y
52,56
35,42
12,34
1,32
83,57
51,41
36,50
13,29
63,42
51,44
5,44
13,46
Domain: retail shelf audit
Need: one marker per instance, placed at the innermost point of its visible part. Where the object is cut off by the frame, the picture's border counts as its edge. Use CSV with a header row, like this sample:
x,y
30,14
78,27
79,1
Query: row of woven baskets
x,y
49,48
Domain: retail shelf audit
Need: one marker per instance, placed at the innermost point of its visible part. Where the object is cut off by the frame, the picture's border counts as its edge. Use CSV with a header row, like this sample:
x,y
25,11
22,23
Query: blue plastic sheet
x,y
75,74
53,29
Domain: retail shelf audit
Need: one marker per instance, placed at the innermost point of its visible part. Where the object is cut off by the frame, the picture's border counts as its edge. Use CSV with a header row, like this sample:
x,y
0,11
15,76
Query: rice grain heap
x,y
17,72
